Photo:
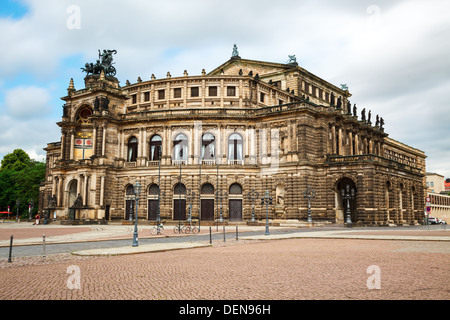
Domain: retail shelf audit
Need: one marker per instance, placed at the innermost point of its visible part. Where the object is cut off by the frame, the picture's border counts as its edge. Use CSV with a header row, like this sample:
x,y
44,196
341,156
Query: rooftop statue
x,y
105,63
292,60
235,53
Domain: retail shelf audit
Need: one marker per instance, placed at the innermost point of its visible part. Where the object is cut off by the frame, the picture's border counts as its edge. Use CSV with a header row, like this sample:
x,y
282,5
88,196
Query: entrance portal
x,y
207,202
235,210
344,188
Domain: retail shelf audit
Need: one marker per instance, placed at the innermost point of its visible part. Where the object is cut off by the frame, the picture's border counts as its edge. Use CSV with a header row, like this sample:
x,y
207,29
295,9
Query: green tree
x,y
20,178
15,161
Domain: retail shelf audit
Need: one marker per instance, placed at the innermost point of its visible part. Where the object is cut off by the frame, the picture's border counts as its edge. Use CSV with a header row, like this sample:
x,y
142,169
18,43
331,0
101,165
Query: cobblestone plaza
x,y
327,267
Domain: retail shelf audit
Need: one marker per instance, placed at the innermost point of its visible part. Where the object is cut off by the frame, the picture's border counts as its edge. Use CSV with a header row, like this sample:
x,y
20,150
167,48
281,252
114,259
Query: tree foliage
x,y
16,161
20,177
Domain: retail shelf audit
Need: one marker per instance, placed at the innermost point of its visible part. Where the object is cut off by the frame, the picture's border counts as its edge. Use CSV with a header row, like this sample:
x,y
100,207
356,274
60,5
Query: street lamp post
x,y
158,214
17,212
221,205
252,196
179,185
191,198
217,190
200,160
309,194
30,209
222,196
267,200
348,194
137,191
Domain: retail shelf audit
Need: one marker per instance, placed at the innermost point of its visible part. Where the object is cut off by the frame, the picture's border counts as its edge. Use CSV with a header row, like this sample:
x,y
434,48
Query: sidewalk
x,y
26,233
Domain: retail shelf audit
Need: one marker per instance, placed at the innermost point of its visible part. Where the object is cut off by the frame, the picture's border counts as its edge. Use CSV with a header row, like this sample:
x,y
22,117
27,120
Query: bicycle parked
x,y
191,228
186,228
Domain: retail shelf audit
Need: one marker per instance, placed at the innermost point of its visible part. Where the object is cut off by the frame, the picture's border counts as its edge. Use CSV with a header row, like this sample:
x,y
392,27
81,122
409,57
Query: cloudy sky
x,y
393,55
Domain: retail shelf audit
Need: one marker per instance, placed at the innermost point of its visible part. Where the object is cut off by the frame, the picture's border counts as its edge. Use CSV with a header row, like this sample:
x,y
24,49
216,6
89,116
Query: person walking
x,y
37,219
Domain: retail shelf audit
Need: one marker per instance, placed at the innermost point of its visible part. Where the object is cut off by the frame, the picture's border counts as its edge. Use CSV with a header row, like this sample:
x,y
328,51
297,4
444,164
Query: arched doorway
x,y
235,202
129,202
179,202
72,199
346,200
152,200
207,211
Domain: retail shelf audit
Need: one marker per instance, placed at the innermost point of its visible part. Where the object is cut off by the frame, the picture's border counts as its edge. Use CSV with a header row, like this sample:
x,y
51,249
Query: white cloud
x,y
31,136
28,102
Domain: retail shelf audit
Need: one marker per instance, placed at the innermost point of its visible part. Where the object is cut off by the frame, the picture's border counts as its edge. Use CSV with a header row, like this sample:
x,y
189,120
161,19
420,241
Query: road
x,y
38,250
216,236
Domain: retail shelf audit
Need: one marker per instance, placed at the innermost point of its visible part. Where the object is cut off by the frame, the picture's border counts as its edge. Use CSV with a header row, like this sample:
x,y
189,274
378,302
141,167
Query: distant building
x,y
447,184
435,182
440,206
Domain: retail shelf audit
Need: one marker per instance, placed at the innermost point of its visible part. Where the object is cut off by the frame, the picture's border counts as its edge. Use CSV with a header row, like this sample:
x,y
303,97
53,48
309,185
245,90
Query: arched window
x,y
180,149
179,189
207,188
83,114
132,149
130,190
235,147
153,190
155,148
208,146
235,188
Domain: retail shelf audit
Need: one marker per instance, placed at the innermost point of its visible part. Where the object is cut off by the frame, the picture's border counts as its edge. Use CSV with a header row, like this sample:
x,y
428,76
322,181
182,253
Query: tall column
x,y
63,145
79,182
144,143
72,143
356,144
350,142
333,139
60,192
168,151
103,140
119,145
85,189
339,138
190,158
94,140
102,191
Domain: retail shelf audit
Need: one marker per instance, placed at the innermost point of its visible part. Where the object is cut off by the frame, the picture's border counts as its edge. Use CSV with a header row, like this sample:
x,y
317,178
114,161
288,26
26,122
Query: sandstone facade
x,y
246,127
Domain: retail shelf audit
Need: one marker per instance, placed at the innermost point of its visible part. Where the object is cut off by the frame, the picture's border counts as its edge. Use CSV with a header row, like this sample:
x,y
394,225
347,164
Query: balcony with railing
x,y
209,162
235,162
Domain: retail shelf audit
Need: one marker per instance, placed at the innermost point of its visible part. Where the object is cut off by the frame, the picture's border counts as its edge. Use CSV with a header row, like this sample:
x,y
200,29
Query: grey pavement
x,y
91,233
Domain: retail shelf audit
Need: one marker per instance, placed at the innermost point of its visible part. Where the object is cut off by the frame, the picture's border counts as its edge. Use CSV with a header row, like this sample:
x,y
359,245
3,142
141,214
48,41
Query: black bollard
x,y
236,233
210,236
44,249
10,249
224,234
